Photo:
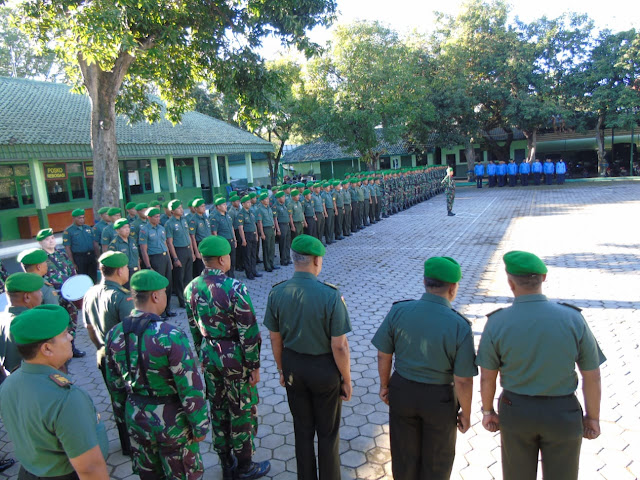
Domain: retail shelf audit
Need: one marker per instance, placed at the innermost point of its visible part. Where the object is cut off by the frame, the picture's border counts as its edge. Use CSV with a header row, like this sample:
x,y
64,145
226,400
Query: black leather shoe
x,y
78,353
276,267
5,464
253,470
170,313
229,464
257,275
451,214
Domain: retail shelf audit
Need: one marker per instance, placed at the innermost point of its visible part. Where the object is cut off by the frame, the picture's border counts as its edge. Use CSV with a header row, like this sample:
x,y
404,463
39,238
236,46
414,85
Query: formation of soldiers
x,y
511,173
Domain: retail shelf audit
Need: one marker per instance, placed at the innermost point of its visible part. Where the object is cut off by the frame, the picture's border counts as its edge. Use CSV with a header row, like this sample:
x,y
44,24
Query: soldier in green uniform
x,y
297,214
105,305
52,423
227,338
308,322
24,291
535,345
233,212
132,212
222,225
108,233
100,224
199,229
166,212
434,370
155,386
329,200
266,222
309,214
81,245
450,190
346,199
366,203
319,210
122,243
180,249
248,231
284,216
339,218
140,220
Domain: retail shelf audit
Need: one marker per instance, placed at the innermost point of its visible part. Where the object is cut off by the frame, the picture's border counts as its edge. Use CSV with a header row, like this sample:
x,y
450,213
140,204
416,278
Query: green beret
x,y
165,204
300,185
246,198
449,169
263,196
234,198
220,201
445,269
24,282
130,205
325,184
306,192
153,211
174,204
279,194
274,189
214,246
523,263
253,195
353,180
336,183
141,206
103,210
44,233
286,186
295,192
77,212
309,184
148,281
40,323
317,185
114,259
197,202
154,203
32,256
120,223
218,195
308,245
114,211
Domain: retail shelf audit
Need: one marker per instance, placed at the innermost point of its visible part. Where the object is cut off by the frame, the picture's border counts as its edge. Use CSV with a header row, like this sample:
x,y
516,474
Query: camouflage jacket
x,y
59,269
223,323
3,276
169,369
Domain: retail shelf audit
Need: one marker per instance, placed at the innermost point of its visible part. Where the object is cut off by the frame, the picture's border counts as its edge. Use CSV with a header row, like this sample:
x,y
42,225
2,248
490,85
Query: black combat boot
x,y
252,470
229,464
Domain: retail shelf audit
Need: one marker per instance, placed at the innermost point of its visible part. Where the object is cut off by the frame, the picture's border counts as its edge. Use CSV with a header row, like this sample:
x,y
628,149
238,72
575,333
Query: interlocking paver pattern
x,y
588,234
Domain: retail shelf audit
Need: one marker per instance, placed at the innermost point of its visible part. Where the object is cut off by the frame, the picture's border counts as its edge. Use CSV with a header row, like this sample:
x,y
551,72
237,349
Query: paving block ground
x,y
589,236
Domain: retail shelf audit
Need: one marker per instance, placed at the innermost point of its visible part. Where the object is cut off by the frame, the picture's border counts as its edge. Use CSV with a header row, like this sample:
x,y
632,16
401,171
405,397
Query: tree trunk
x,y
602,162
532,143
470,155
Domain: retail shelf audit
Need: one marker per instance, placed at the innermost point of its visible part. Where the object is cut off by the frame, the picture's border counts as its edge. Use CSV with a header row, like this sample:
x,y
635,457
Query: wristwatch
x,y
488,412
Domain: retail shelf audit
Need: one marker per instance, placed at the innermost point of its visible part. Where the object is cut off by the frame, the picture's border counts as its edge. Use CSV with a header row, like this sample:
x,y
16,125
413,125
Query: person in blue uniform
x,y
548,168
512,171
478,170
536,168
561,170
492,170
525,170
502,173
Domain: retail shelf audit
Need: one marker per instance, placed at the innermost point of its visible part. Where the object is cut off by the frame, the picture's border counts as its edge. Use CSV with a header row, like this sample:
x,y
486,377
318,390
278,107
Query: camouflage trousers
x,y
161,444
451,195
234,414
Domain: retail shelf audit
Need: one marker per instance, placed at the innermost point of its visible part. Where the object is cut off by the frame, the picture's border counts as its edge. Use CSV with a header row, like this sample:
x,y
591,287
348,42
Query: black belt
x,y
24,475
539,397
267,226
154,400
157,254
90,252
228,339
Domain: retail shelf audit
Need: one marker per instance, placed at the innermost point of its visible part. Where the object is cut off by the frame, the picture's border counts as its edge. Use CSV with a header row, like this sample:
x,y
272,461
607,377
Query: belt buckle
x,y
164,253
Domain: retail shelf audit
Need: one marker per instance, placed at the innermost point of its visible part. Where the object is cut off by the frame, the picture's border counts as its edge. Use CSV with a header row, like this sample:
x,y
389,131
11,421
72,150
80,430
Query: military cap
x,y
121,222
336,183
286,186
218,195
253,195
220,201
279,194
153,211
263,196
174,204
246,198
308,245
114,211
214,246
234,198
32,256
523,263
77,212
44,233
306,192
353,180
40,323
103,210
24,282
114,259
148,281
317,185
141,206
154,203
198,202
300,185
274,189
309,184
130,205
165,204
295,192
445,269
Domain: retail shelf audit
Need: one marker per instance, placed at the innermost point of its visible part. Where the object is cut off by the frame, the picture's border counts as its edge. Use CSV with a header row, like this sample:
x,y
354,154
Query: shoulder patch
x,y
570,306
401,301
60,380
495,311
330,285
276,284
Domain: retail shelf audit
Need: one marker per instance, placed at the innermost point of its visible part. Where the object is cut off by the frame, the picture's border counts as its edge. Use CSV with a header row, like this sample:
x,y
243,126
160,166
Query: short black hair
x,y
107,271
140,298
530,282
30,350
435,285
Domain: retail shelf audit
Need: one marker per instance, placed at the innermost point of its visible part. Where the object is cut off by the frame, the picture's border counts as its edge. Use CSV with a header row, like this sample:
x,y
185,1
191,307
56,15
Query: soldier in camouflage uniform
x,y
3,277
450,190
155,386
227,339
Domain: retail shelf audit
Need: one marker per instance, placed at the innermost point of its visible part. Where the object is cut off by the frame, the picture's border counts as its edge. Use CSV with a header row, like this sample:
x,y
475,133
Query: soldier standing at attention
x,y
122,243
81,246
222,225
339,220
297,214
249,236
346,198
233,212
284,216
227,339
319,211
266,222
108,233
180,249
52,423
434,370
450,190
199,229
155,386
152,243
105,305
132,213
166,212
308,322
535,344
100,224
309,213
140,220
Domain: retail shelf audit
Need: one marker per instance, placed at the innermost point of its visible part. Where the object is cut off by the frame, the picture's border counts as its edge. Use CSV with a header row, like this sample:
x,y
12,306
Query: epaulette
x,y
330,285
400,301
61,380
276,284
570,306
495,311
48,284
462,316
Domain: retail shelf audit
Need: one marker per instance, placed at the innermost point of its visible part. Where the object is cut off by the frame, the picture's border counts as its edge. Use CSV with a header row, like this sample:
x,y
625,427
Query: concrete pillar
x,y
413,160
249,165
213,160
332,174
39,188
171,174
226,170
155,175
196,172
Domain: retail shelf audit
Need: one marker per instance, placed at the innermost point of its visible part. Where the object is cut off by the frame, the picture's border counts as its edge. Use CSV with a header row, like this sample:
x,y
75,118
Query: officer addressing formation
x,y
159,394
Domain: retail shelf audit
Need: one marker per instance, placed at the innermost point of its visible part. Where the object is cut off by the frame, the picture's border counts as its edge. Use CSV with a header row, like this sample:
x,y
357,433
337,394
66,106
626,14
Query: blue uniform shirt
x,y
536,167
561,167
491,169
155,238
478,169
512,168
548,167
502,169
525,168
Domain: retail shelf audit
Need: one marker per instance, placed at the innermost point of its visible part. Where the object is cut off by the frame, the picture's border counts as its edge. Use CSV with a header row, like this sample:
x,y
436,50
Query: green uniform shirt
x,y
431,341
360,193
178,230
129,248
79,238
10,358
282,212
327,200
49,423
222,225
155,238
106,305
247,220
163,218
309,210
297,211
339,196
307,313
346,196
317,203
536,344
107,234
134,230
366,191
232,213
97,230
353,194
199,227
265,215
49,294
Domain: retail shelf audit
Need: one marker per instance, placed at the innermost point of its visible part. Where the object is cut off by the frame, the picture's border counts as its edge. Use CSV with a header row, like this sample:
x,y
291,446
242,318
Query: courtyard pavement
x,y
589,236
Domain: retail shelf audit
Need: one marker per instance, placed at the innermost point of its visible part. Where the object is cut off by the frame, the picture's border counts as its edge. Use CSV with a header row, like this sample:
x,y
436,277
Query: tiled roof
x,y
320,150
45,120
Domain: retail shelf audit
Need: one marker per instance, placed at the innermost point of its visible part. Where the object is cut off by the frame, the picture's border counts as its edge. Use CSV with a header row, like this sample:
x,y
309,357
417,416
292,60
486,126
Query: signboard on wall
x,y
88,169
55,171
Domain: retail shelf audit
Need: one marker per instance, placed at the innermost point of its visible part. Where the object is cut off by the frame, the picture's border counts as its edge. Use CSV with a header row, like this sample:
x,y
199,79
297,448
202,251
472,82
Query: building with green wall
x,y
46,163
